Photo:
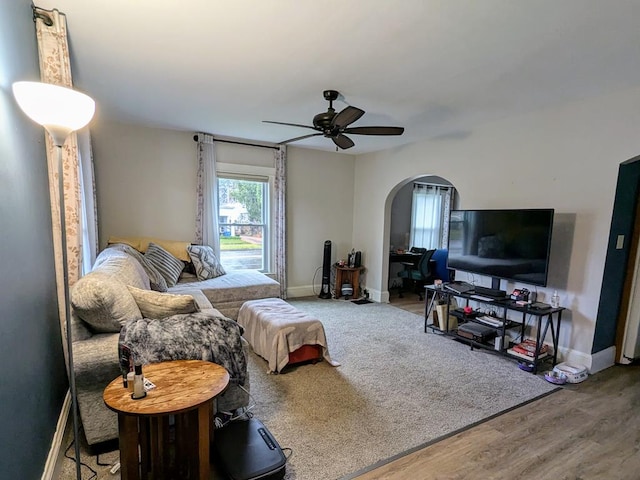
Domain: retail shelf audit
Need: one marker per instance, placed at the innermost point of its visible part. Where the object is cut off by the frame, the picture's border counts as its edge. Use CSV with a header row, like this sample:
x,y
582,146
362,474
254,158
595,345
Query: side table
x,y
349,275
167,433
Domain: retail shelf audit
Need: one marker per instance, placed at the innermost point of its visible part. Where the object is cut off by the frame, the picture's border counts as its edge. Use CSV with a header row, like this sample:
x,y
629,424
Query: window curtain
x,y
88,203
430,209
207,232
280,224
55,68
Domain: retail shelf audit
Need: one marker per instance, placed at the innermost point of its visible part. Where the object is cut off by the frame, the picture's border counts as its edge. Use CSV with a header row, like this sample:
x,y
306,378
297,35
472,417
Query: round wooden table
x,y
167,433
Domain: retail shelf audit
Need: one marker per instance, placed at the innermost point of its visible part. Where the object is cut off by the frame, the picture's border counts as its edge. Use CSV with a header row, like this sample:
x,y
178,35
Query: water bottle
x,y
555,299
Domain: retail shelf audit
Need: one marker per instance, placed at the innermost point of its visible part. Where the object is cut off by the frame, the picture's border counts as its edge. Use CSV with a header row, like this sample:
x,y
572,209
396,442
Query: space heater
x,y
325,289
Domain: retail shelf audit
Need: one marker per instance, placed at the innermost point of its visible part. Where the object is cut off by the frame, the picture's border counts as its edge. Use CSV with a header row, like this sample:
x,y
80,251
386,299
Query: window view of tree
x,y
243,214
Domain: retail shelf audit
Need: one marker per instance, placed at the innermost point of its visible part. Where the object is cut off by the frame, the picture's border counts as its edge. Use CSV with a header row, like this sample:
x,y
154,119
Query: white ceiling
x,y
436,67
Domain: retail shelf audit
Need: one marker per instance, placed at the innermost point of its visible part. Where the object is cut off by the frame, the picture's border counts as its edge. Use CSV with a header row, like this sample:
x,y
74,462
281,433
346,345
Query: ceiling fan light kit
x,y
334,125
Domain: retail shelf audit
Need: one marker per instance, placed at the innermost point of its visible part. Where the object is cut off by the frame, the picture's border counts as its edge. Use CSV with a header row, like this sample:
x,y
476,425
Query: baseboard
x,y
303,291
603,359
58,437
594,362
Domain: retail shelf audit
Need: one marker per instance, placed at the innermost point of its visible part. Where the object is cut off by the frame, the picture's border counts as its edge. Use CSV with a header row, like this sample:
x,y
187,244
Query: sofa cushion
x,y
103,302
205,262
156,280
177,248
122,267
169,266
160,305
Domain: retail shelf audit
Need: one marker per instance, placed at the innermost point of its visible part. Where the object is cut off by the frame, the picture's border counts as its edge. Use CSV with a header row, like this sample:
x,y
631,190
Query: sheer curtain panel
x,y
207,232
430,209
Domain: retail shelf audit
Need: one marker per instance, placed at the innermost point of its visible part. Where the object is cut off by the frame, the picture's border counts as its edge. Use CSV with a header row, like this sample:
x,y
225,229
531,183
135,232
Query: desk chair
x,y
418,274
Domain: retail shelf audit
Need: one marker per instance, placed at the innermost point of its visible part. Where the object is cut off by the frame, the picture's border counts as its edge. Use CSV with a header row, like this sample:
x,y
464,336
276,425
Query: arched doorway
x,y
397,225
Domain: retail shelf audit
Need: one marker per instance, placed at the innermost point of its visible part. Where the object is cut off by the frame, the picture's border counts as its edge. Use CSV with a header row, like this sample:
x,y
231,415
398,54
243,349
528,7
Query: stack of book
x,y
527,350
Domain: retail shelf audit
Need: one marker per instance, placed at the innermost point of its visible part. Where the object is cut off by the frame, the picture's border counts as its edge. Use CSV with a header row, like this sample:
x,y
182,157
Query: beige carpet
x,y
397,388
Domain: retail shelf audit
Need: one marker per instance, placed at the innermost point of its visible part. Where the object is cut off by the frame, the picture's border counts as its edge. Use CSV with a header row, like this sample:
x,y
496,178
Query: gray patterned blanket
x,y
192,336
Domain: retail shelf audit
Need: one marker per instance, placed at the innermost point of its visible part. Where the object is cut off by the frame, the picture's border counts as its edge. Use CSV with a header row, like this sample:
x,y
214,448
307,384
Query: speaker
x,y
325,289
358,260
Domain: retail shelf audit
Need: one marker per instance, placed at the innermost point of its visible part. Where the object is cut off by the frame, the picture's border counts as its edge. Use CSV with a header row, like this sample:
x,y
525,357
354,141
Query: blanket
x,y
274,329
191,336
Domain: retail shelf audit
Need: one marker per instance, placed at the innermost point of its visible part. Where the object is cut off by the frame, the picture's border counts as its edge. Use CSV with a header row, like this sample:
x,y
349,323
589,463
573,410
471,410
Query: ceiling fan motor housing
x,y
323,120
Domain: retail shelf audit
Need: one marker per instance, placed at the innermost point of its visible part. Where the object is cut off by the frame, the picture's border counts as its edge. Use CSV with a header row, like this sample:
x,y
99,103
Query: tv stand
x,y
547,319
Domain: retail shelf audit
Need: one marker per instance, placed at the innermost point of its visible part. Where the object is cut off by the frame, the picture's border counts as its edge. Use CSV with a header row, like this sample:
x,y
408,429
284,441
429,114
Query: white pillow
x,y
205,262
154,304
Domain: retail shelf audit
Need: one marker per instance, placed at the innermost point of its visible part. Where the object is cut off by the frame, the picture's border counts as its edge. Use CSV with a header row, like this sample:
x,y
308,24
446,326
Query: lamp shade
x,y
59,109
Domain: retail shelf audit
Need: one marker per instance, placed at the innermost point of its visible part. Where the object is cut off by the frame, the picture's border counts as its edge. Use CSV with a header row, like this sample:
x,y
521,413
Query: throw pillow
x,y
169,266
156,280
205,261
161,305
103,302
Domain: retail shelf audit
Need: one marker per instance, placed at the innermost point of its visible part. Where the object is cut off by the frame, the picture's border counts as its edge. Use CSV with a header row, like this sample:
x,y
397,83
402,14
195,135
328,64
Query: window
x,y
430,209
244,221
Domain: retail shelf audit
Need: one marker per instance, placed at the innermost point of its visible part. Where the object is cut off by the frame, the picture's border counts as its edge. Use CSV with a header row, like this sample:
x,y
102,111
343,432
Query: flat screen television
x,y
502,244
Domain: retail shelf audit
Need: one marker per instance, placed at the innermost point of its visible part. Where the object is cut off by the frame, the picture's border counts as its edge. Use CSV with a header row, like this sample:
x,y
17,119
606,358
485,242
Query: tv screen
x,y
503,244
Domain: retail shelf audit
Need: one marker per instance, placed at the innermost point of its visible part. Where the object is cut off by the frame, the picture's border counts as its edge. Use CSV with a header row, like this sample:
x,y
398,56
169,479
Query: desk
x,y
409,257
167,433
349,275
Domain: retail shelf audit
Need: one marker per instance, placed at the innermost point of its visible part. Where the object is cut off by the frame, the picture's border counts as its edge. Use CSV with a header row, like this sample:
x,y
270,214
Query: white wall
x,y
565,158
145,181
319,208
146,185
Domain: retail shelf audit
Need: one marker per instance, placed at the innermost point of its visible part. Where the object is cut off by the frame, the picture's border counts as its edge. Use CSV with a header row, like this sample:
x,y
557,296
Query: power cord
x,y
94,474
244,412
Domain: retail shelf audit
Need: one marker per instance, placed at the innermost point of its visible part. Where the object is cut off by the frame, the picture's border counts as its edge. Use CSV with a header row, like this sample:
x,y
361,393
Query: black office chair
x,y
417,274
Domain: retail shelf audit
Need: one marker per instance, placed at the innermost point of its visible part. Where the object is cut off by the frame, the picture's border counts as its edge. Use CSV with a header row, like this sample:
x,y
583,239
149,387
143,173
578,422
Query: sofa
x,y
124,292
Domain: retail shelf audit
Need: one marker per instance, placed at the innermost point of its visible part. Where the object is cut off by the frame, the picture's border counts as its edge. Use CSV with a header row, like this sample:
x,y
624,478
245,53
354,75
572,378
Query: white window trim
x,y
256,171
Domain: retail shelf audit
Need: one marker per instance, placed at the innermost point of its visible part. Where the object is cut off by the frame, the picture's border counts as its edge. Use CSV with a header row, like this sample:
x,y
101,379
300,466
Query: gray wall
x,y
33,375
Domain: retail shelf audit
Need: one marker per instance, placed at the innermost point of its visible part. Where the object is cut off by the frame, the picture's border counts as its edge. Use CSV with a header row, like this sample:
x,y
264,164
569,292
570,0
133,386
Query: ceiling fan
x,y
334,125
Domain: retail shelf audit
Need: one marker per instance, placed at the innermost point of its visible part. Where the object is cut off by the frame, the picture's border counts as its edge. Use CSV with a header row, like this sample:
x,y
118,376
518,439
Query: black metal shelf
x,y
550,317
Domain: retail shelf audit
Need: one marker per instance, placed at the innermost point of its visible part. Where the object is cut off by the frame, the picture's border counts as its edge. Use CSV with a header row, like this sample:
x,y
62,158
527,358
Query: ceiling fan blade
x,y
290,124
375,130
346,117
299,138
343,141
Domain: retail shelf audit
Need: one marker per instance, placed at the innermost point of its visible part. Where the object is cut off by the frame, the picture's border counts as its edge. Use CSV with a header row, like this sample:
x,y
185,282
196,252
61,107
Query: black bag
x,y
246,450
477,332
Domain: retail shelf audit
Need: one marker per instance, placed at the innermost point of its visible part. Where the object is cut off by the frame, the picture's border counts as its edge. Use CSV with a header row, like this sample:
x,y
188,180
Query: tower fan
x,y
325,290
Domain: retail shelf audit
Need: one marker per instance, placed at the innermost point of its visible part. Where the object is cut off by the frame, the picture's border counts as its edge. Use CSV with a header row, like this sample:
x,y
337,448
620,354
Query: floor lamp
x,y
60,111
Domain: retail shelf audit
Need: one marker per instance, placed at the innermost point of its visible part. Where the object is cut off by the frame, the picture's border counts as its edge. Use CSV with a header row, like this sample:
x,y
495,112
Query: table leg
x,y
128,442
204,420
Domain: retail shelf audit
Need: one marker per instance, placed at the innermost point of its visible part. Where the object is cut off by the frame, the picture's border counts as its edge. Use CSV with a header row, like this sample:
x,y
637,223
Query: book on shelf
x,y
528,347
524,356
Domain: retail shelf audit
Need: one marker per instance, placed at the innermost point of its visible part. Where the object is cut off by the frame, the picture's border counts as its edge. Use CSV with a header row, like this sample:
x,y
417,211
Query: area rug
x,y
397,388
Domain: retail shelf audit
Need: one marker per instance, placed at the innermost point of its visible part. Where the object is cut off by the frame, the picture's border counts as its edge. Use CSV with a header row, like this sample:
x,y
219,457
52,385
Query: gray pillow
x,y
161,305
156,280
169,266
205,261
103,302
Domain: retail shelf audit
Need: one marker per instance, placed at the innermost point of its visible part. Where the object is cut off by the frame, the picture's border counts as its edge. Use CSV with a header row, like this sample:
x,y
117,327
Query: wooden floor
x,y
588,431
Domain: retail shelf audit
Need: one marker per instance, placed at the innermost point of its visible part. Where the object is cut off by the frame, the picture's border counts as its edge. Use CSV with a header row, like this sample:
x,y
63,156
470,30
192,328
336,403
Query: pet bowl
x,y
526,366
555,377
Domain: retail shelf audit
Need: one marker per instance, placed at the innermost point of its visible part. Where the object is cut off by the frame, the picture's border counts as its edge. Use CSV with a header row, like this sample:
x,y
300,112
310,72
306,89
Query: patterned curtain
x,y
55,68
207,232
280,224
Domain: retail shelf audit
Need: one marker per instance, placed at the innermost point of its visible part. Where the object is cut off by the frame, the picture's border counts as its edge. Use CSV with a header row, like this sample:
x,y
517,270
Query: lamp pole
x,y
60,111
